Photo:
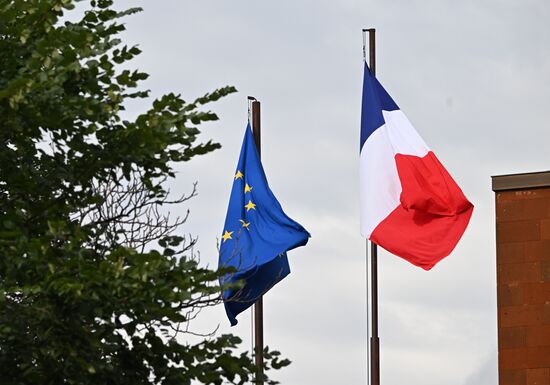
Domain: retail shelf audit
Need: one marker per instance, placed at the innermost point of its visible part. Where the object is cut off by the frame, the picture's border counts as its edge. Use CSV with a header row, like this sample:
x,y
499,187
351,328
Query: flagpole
x,y
374,340
258,306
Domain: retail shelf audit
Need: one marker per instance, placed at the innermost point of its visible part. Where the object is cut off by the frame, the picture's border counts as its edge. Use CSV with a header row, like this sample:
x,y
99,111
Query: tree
x,y
95,283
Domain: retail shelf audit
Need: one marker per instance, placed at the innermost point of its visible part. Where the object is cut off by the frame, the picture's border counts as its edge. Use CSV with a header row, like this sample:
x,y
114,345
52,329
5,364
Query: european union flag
x,y
256,235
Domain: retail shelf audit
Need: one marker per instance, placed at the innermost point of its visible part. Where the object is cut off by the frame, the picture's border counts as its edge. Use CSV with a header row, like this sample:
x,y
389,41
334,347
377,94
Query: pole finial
x,y
364,44
371,32
372,48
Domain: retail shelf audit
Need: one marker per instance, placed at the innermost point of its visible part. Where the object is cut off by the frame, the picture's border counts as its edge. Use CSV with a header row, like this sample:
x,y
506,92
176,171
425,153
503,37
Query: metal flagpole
x,y
367,252
374,340
258,306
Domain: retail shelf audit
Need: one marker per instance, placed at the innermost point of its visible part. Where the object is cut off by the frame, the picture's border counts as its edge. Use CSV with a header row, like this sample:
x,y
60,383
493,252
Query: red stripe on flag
x,y
432,215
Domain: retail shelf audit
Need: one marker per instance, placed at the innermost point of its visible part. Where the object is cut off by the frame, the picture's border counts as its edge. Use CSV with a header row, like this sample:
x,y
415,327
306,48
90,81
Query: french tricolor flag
x,y
410,205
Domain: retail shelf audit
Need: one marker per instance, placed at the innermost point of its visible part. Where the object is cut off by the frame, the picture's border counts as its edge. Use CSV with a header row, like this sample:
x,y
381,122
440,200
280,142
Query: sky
x,y
473,76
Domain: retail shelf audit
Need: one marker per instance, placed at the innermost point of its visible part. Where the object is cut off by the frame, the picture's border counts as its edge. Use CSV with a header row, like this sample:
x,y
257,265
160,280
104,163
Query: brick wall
x,y
523,286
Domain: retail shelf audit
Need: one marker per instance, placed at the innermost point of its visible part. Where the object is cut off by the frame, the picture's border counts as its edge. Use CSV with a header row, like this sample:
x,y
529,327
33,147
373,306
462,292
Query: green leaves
x,y
97,284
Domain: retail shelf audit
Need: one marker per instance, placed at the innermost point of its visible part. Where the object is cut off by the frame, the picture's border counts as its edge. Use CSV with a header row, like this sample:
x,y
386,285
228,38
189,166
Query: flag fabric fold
x,y
410,205
256,236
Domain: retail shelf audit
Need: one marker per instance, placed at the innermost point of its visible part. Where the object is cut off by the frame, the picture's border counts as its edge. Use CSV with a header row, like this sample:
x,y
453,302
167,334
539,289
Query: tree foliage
x,y
95,285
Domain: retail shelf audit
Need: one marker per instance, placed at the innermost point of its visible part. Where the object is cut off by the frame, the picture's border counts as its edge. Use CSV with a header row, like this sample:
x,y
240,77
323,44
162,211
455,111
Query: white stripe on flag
x,y
379,183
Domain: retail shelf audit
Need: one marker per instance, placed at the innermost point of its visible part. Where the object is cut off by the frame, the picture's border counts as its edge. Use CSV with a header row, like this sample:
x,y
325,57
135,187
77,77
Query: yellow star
x,y
227,235
245,225
238,175
247,188
250,206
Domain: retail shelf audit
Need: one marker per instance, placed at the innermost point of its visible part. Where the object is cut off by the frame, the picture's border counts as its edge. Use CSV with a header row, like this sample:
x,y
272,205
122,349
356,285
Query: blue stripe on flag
x,y
375,99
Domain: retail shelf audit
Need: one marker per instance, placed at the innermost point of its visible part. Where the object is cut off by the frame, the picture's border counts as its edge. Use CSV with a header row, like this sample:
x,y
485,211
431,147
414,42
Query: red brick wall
x,y
523,286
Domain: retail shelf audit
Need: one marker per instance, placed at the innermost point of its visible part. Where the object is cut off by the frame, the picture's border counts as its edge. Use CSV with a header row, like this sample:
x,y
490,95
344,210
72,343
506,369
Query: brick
x,y
513,359
512,337
518,231
509,295
538,335
545,229
539,376
523,315
505,196
537,251
536,293
512,196
512,377
511,210
514,210
541,193
546,314
537,208
545,271
520,272
538,357
534,194
510,252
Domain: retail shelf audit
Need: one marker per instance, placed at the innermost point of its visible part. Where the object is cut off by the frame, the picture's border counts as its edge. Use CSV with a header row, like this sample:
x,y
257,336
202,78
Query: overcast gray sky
x,y
473,76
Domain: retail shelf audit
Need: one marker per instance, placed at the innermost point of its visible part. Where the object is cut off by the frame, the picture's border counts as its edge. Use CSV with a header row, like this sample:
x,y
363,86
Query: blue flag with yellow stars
x,y
256,235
